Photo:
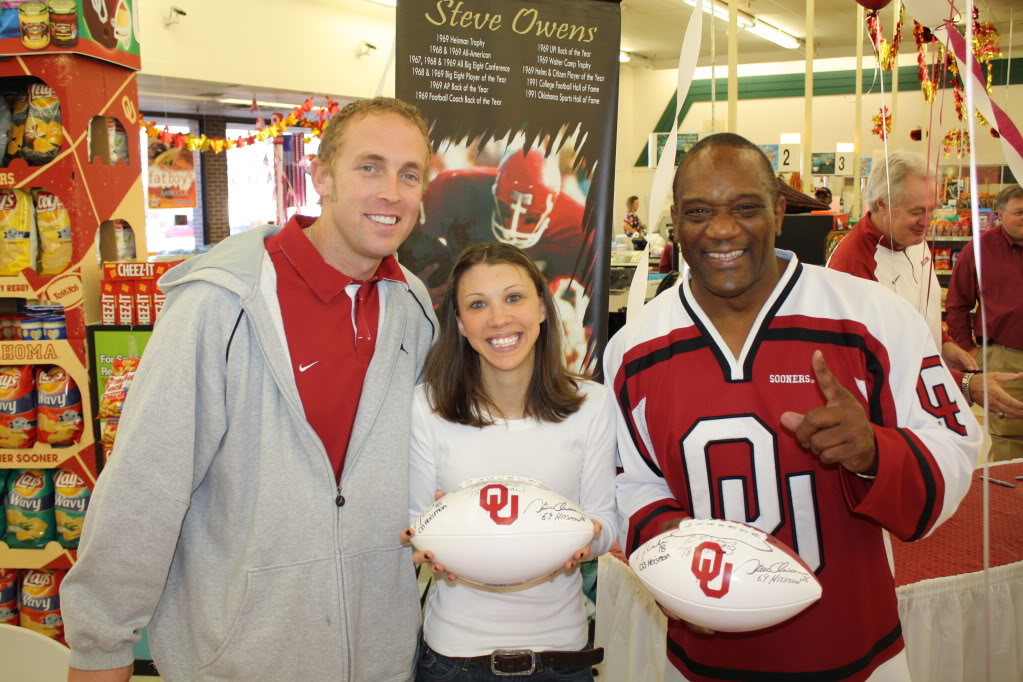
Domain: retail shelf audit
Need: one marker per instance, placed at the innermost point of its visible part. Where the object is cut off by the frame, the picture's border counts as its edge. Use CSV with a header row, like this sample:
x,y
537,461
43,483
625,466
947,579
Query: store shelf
x,y
942,272
953,239
51,556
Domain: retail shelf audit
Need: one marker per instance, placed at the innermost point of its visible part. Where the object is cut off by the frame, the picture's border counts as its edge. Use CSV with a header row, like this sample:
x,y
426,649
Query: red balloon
x,y
874,5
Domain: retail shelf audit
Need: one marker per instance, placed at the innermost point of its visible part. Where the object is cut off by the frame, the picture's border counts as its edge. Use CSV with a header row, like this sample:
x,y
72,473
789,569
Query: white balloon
x,y
932,13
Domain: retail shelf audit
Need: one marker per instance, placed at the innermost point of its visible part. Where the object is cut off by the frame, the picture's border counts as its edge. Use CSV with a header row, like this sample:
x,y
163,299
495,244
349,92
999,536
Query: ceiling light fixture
x,y
388,3
260,103
753,24
624,56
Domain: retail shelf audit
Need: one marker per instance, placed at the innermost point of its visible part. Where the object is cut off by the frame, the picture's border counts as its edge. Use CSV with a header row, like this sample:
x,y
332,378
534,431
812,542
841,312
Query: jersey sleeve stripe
x,y
650,518
927,516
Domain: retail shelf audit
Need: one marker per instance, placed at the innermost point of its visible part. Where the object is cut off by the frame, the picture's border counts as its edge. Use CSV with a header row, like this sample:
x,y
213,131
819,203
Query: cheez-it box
x,y
108,303
125,293
144,301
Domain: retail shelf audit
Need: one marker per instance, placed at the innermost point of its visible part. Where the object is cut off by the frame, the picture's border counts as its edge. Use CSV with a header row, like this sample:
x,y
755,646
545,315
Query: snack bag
x,y
17,232
44,133
59,406
5,123
19,115
53,223
108,434
17,407
112,402
69,505
40,602
9,596
30,520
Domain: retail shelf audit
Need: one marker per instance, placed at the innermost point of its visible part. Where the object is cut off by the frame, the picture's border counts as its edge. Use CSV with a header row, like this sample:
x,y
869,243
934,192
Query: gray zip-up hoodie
x,y
216,523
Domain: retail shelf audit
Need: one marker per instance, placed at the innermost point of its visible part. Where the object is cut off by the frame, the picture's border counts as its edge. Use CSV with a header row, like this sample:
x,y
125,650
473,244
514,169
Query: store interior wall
x,y
644,93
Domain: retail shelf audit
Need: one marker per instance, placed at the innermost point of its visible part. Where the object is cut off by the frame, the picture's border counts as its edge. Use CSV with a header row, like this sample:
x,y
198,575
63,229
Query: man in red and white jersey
x,y
887,246
805,402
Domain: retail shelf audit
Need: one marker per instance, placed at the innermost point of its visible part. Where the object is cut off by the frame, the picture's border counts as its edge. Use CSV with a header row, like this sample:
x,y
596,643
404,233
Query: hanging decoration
x,y
916,134
986,46
873,5
956,140
922,36
887,53
304,116
882,123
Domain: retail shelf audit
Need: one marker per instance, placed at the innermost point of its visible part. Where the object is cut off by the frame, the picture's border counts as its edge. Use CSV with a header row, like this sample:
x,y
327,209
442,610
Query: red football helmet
x,y
525,190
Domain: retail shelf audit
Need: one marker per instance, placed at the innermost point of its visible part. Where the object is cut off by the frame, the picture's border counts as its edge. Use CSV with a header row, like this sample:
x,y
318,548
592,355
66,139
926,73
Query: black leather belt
x,y
522,662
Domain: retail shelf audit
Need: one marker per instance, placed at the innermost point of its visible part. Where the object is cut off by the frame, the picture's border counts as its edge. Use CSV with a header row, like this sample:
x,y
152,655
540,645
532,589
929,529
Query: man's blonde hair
x,y
333,132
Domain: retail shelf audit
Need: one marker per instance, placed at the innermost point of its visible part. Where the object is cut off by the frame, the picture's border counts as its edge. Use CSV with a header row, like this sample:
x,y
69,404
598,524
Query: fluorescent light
x,y
774,34
790,138
624,56
844,147
389,3
744,19
259,103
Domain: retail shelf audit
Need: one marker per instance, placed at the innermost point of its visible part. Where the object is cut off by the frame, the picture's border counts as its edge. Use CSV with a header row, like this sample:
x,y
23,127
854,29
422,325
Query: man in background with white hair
x,y
887,246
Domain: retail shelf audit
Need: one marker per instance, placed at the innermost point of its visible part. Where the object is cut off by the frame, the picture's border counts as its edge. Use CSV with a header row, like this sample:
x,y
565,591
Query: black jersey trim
x,y
833,675
640,364
930,487
637,529
848,340
719,355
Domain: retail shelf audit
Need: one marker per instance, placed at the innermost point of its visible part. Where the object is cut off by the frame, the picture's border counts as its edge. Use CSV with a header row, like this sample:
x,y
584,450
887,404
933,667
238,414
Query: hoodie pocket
x,y
286,627
382,596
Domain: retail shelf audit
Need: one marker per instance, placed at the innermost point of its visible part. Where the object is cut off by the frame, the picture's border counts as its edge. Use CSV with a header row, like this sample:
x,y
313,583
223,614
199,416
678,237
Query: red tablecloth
x,y
955,547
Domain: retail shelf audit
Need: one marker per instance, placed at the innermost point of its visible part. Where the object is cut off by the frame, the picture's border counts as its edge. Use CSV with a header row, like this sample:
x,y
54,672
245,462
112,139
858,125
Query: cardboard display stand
x,y
90,80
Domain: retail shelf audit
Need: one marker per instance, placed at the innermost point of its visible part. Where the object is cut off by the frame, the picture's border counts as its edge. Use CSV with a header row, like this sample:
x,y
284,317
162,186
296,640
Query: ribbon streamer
x,y
660,189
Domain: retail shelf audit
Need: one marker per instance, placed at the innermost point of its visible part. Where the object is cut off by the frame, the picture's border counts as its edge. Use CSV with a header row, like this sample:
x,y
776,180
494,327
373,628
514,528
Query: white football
x,y
725,575
502,530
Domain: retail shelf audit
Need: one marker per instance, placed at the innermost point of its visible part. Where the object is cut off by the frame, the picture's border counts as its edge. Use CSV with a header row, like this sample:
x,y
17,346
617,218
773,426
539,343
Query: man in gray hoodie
x,y
249,510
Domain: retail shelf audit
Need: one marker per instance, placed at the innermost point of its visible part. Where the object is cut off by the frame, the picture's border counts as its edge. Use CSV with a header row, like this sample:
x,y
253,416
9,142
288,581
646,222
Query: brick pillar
x,y
219,225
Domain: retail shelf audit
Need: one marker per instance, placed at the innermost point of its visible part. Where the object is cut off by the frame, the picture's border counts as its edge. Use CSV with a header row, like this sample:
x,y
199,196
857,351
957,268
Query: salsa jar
x,y
63,23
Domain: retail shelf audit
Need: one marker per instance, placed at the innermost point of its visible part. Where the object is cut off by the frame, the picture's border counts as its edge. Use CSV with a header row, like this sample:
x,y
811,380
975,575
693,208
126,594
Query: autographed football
x,y
725,575
502,530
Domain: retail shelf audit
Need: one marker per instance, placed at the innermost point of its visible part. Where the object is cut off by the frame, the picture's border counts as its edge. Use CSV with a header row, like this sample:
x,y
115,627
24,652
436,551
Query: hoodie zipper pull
x,y
340,499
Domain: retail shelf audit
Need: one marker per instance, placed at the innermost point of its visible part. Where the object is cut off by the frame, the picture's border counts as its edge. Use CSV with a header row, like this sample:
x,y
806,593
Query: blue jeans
x,y
434,667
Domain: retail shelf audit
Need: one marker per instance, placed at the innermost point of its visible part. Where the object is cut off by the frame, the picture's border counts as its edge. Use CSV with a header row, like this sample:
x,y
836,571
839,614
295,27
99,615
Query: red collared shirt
x,y
1002,260
331,322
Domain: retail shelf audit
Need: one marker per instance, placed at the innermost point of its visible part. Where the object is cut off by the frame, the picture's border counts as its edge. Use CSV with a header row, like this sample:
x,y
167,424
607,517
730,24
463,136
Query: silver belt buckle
x,y
512,652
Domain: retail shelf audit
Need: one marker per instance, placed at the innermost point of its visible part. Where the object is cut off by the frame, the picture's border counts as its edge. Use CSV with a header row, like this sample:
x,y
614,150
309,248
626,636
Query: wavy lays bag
x,y
30,519
44,133
17,407
40,602
58,406
53,223
70,502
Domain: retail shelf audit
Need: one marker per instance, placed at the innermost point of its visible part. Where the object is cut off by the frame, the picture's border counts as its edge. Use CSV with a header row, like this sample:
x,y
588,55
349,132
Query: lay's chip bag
x,y
44,133
9,596
30,518
58,406
69,505
17,232
17,407
40,602
19,116
53,223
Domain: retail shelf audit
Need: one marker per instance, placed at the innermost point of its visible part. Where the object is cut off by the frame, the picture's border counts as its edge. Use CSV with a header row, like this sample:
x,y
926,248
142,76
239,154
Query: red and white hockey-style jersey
x,y
459,206
699,434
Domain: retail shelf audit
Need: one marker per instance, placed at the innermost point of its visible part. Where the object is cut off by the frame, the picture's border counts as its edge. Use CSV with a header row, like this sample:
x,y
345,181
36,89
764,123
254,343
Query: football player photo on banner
x,y
521,99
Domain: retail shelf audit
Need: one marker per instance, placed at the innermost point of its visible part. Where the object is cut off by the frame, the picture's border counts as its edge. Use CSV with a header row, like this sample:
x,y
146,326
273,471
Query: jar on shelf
x,y
34,19
63,23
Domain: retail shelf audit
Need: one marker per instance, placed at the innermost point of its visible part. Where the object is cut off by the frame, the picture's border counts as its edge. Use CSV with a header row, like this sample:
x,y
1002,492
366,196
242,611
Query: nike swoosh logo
x,y
302,368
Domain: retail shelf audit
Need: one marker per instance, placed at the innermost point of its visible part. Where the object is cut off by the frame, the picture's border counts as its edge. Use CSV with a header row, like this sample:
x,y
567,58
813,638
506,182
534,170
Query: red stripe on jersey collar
x,y
876,234
323,279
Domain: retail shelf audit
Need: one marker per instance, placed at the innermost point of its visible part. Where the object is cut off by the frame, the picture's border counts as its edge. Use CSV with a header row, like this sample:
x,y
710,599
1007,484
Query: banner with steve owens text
x,y
522,100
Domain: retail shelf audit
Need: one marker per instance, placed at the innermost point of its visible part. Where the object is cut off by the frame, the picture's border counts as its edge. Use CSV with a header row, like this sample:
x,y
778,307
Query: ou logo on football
x,y
706,569
494,498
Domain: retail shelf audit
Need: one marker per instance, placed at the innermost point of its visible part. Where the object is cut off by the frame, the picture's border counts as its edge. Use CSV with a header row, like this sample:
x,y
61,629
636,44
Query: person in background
x,y
667,262
497,400
248,512
887,246
631,224
823,195
1001,251
783,395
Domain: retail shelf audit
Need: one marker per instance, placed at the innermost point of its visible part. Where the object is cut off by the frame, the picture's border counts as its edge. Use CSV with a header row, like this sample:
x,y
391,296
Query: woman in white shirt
x,y
498,400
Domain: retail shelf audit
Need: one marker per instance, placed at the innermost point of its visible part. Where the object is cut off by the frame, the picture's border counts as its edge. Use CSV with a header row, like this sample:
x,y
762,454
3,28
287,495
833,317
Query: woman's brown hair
x,y
454,385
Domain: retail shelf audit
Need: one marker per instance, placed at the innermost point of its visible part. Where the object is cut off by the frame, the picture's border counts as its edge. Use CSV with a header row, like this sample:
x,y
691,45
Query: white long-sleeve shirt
x,y
574,458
